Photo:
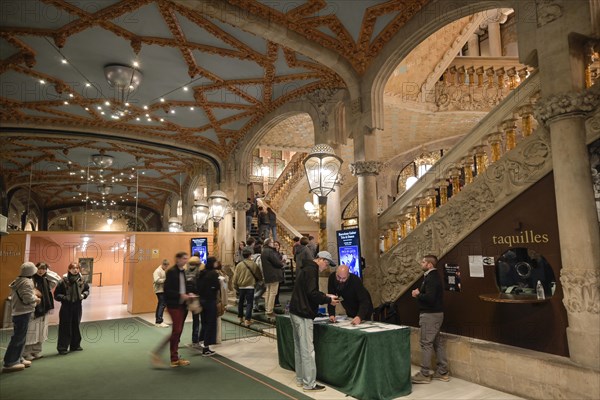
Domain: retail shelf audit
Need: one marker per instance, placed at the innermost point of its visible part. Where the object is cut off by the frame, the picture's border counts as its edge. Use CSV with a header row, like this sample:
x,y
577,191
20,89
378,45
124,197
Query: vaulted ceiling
x,y
204,83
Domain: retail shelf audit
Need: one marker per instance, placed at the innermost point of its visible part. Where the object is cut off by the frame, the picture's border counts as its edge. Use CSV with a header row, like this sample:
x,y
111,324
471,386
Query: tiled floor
x,y
260,354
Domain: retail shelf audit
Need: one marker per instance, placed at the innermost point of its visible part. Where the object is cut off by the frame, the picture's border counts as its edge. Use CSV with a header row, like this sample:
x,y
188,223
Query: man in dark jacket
x,y
272,265
303,253
176,299
354,296
304,304
430,297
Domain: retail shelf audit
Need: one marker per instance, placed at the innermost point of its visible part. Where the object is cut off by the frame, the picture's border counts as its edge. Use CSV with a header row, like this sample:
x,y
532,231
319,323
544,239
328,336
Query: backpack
x,y
257,260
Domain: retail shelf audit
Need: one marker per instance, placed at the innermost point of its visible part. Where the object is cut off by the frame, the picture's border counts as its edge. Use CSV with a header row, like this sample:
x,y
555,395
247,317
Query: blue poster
x,y
348,242
200,248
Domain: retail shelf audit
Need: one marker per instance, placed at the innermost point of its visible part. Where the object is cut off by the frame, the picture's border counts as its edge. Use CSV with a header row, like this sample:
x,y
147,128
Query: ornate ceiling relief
x,y
464,212
548,11
314,17
216,131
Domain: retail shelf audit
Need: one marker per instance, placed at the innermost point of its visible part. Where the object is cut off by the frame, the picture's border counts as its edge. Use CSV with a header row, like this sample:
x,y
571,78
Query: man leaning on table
x,y
350,290
304,305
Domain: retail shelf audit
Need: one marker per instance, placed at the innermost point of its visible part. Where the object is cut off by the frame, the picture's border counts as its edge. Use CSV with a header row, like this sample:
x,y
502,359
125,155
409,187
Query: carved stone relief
x,y
568,103
547,11
582,290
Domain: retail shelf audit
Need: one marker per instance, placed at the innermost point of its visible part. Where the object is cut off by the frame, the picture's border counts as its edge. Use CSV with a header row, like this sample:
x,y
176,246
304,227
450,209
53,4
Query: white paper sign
x,y
476,266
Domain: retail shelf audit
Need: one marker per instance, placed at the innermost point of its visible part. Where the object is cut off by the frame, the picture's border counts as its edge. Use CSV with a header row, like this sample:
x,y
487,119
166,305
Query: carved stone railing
x,y
495,134
478,83
493,189
465,211
287,180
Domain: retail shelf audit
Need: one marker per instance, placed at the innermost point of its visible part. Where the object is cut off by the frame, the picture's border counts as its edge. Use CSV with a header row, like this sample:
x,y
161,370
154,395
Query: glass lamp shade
x,y
322,167
102,160
218,205
200,212
175,225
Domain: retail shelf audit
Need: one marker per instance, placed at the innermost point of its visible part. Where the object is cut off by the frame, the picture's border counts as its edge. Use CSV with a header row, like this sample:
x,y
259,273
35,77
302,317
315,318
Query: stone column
x,y
564,114
473,45
240,208
366,172
495,39
226,239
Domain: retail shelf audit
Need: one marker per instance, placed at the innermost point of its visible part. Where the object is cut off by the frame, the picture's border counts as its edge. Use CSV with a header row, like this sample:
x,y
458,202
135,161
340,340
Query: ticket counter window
x,y
519,269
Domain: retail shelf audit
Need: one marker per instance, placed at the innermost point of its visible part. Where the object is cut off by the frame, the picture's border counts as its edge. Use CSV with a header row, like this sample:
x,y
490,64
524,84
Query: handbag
x,y
259,286
194,305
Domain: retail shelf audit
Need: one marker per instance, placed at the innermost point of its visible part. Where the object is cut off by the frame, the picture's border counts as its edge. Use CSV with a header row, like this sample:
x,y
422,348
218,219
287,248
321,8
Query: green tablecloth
x,y
365,365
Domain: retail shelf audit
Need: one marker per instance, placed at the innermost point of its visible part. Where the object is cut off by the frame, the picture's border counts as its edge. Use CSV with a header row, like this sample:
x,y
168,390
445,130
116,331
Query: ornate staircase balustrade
x,y
494,135
290,176
493,189
478,83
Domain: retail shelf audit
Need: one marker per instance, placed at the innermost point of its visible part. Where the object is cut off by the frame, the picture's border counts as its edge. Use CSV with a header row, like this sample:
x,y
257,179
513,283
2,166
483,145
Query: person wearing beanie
x,y
192,270
71,291
44,281
23,302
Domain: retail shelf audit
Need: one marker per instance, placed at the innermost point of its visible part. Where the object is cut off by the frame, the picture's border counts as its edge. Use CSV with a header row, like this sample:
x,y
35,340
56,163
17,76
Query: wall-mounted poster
x,y
348,241
200,248
452,277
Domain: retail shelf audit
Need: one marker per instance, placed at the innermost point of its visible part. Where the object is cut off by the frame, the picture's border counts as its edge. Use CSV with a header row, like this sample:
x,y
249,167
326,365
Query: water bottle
x,y
287,308
539,289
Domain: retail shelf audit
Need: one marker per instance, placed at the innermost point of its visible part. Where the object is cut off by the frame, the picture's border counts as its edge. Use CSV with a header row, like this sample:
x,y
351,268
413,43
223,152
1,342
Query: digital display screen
x,y
348,242
200,248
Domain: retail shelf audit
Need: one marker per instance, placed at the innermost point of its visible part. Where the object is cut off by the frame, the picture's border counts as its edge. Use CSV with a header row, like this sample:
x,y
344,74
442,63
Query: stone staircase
x,y
487,169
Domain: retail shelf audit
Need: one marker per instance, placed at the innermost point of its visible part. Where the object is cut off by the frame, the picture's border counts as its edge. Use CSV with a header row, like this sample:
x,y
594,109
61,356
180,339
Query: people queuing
x,y
159,289
272,268
44,281
208,288
23,303
70,292
192,272
244,278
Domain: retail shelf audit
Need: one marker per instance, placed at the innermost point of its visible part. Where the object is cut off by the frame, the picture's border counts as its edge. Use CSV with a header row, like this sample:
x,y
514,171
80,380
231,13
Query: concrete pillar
x,y
495,39
334,215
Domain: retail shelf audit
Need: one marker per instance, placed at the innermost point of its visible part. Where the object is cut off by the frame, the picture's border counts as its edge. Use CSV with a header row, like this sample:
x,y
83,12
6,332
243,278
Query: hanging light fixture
x,y
104,190
102,160
124,79
322,166
200,212
175,224
218,205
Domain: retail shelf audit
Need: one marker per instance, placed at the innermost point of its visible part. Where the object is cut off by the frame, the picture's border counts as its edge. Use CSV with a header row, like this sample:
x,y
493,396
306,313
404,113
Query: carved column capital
x,y
567,104
241,206
366,168
581,289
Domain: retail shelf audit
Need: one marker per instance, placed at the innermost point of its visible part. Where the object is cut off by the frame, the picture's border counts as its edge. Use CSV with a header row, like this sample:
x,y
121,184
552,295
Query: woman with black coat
x,y
208,290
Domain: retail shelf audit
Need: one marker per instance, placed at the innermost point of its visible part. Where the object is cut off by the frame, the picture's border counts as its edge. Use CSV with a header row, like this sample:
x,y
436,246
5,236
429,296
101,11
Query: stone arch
x,y
245,148
433,17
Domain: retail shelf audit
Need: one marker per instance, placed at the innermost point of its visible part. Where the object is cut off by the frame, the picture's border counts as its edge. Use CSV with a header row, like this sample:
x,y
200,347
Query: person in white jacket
x,y
44,281
159,289
23,302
